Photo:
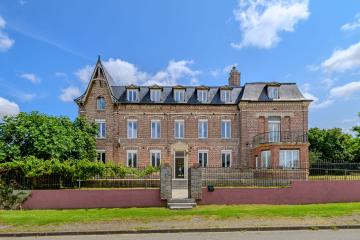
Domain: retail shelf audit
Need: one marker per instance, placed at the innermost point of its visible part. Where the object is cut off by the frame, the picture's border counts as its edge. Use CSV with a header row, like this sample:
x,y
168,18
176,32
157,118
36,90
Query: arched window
x,y
100,103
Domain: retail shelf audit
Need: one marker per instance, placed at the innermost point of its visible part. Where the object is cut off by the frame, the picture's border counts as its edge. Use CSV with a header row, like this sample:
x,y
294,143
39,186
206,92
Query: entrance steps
x,y
180,184
181,203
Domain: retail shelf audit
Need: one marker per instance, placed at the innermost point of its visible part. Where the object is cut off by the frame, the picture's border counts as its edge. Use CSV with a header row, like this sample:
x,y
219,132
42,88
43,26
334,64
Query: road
x,y
272,235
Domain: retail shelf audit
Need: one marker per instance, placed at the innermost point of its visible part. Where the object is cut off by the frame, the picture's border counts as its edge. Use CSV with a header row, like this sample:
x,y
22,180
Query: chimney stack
x,y
234,77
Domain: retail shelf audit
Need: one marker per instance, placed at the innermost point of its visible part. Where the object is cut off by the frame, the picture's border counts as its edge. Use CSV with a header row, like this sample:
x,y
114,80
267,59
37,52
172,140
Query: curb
x,y
179,230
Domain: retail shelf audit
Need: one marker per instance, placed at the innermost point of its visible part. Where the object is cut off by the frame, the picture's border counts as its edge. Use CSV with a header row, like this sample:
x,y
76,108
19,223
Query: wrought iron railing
x,y
279,137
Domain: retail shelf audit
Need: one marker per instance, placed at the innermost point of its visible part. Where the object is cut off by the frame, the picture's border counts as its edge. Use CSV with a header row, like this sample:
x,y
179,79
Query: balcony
x,y
280,137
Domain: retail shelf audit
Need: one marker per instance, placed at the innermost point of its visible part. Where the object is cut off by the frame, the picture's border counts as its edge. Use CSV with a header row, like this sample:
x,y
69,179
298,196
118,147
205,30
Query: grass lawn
x,y
44,217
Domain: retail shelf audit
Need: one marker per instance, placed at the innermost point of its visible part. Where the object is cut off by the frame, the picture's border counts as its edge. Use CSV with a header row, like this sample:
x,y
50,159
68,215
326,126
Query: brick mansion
x,y
251,125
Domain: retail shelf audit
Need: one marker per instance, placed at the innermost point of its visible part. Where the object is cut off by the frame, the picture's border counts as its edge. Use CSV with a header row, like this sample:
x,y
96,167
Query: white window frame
x,y
226,96
274,134
226,152
131,133
177,132
273,92
100,151
157,133
223,133
131,93
101,134
203,128
265,159
291,163
155,95
131,153
202,164
202,95
179,95
100,103
151,155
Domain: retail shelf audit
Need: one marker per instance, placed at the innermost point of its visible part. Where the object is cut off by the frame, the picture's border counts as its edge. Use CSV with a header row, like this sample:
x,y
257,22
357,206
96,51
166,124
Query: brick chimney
x,y
234,77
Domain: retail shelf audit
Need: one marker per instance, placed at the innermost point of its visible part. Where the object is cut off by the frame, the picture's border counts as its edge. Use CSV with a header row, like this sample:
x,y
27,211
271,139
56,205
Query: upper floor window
x,y
203,158
265,159
101,157
225,158
155,129
101,124
131,158
225,128
273,92
274,129
155,158
100,103
225,95
203,128
179,129
132,95
132,128
179,95
289,159
155,95
202,95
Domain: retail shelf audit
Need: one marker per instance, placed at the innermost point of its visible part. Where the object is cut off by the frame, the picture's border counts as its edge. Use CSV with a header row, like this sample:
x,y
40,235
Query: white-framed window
x,y
203,158
155,95
101,123
273,92
202,95
265,159
179,128
274,129
155,129
179,95
132,126
131,158
289,158
132,95
155,158
226,128
100,103
226,158
100,156
202,128
225,95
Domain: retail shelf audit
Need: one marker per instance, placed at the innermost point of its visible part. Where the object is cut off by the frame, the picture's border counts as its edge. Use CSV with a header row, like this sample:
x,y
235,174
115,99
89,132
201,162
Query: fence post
x,y
195,182
165,182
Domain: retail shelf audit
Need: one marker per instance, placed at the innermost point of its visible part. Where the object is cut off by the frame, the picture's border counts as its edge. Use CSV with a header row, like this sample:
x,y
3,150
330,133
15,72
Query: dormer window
x,y
179,95
273,92
132,95
202,95
226,95
155,95
100,103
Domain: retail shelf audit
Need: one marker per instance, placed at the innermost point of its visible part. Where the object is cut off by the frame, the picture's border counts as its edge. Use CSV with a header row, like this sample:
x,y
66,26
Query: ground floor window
x,y
265,159
203,158
289,159
100,157
225,158
132,158
155,158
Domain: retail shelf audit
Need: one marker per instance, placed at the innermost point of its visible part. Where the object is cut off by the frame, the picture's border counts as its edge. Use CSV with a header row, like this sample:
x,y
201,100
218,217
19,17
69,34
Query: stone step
x,y
175,203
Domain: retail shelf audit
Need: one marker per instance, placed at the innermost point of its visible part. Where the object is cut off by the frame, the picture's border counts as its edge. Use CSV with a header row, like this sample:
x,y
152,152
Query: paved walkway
x,y
274,235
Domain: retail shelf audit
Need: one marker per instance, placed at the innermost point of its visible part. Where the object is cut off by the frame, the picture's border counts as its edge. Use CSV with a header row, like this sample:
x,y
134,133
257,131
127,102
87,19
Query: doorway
x,y
179,165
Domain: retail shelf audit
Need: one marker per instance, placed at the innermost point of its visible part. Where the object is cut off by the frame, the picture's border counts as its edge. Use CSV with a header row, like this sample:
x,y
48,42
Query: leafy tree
x,y
46,137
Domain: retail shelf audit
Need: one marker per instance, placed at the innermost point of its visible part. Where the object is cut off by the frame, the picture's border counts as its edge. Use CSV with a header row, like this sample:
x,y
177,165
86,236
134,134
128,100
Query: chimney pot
x,y
234,77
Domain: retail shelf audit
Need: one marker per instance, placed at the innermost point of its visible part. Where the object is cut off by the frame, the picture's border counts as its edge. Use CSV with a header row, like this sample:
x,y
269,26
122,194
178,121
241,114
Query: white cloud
x,y
26,97
328,82
5,41
31,77
261,21
8,108
69,94
352,25
346,91
343,60
215,72
125,73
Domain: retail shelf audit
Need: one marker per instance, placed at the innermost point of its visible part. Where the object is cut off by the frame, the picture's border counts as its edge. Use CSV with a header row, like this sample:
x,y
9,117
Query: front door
x,y
179,164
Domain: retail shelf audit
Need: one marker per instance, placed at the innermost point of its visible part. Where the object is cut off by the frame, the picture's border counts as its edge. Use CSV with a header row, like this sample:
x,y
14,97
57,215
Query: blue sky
x,y
47,49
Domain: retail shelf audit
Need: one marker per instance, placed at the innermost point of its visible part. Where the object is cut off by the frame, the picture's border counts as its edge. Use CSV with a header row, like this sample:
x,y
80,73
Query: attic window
x,y
132,95
225,95
202,95
273,92
100,103
155,95
179,95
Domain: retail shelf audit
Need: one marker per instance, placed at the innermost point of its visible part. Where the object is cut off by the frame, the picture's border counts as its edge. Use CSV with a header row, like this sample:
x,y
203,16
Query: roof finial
x,y
99,58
